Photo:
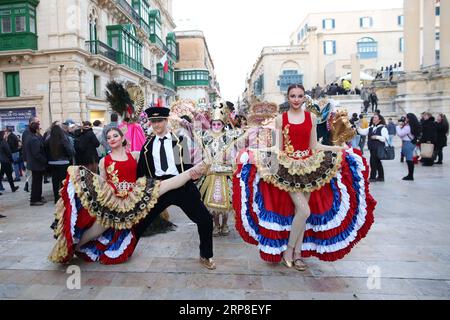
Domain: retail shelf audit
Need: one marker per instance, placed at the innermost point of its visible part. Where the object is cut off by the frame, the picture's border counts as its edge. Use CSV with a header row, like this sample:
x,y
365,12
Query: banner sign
x,y
16,118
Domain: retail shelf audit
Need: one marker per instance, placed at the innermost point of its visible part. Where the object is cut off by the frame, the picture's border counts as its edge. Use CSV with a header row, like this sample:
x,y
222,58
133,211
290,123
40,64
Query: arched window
x,y
367,48
93,36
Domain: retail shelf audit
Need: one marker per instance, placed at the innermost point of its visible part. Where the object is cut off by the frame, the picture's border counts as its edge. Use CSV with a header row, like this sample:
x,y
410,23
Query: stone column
x,y
411,9
445,35
356,70
429,33
73,103
56,91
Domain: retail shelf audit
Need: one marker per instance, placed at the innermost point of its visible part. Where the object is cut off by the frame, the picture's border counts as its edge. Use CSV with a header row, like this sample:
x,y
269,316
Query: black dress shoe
x,y
408,178
15,189
2,216
439,162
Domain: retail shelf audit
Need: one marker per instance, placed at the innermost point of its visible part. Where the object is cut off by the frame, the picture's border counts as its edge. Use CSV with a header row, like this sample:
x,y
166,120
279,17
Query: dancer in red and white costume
x,y
304,200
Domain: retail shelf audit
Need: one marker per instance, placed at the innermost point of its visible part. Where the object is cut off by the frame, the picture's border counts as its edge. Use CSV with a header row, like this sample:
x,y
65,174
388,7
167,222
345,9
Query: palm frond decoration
x,y
118,97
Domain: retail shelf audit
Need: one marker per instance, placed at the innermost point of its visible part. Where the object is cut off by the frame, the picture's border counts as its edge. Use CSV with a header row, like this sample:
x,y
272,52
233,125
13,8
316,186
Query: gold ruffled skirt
x,y
297,175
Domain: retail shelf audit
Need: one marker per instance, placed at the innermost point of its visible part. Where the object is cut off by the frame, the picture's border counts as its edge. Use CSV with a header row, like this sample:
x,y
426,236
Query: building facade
x,y
425,84
57,56
332,37
195,77
275,69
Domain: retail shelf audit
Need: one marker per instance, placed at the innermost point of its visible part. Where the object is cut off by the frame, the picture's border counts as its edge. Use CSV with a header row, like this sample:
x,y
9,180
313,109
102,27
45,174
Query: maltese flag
x,y
165,62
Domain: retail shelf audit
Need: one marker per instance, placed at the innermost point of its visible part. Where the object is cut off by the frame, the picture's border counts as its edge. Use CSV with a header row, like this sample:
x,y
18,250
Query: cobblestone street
x,y
406,252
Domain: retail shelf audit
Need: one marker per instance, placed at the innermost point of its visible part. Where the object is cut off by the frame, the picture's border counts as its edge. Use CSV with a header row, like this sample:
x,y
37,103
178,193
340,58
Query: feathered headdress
x,y
119,99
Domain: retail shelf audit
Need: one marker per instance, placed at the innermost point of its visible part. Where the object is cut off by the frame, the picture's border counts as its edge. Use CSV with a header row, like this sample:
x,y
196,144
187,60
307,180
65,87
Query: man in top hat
x,y
163,156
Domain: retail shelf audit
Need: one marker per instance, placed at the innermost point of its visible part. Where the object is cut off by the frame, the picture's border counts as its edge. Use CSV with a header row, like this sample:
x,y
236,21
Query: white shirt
x,y
384,133
172,169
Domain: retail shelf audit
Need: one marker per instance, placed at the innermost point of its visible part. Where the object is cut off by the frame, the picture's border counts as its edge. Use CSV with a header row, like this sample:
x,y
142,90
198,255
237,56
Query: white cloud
x,y
237,30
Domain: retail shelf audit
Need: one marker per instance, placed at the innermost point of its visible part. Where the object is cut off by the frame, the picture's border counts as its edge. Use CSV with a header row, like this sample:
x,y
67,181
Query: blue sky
x,y
237,30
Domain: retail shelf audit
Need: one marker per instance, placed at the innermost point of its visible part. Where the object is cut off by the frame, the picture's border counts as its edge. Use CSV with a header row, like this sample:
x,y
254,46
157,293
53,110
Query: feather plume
x,y
118,97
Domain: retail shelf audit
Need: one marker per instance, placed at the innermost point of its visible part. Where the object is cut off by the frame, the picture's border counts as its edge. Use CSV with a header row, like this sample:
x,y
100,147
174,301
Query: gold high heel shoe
x,y
299,265
287,264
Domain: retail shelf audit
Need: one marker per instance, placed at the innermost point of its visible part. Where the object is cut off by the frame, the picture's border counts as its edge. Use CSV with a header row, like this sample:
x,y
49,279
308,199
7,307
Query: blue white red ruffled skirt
x,y
341,211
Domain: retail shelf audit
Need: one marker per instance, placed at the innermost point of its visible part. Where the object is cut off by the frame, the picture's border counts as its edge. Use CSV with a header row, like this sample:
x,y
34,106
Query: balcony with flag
x,y
166,73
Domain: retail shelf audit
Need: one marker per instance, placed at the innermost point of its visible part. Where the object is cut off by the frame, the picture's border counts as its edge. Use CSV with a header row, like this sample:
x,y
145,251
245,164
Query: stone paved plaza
x,y
407,252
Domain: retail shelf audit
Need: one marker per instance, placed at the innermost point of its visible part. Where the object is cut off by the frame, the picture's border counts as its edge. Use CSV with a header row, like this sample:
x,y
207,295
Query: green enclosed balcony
x,y
18,25
166,79
122,38
192,78
172,46
170,84
157,40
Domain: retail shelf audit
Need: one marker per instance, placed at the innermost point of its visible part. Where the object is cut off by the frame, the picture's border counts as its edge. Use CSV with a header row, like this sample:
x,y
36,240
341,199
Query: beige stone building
x,y
425,84
275,69
321,49
57,56
194,72
329,45
332,37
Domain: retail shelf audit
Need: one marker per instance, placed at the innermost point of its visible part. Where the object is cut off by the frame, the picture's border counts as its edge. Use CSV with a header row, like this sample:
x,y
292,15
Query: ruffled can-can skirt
x,y
341,208
85,200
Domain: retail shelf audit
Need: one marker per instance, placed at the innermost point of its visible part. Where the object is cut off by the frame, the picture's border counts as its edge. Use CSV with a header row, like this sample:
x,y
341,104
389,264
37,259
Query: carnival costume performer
x,y
305,199
216,186
129,103
97,214
164,156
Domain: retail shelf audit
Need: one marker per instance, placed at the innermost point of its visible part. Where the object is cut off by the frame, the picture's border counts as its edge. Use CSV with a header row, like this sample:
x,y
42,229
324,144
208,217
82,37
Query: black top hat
x,y
157,112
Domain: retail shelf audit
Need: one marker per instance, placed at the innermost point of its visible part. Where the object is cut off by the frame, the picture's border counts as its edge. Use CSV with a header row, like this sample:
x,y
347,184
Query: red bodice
x,y
296,137
121,175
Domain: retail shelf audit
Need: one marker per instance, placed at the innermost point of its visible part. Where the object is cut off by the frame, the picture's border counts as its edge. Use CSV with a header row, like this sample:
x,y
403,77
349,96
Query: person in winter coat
x,y
36,163
59,152
98,130
442,133
6,161
429,135
13,142
86,144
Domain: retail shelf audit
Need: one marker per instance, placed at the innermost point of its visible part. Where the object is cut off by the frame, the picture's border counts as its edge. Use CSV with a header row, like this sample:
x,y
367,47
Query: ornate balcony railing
x,y
147,73
98,47
129,9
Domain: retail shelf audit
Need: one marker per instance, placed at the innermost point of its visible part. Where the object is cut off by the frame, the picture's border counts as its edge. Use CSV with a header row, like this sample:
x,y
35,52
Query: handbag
x,y
426,150
386,152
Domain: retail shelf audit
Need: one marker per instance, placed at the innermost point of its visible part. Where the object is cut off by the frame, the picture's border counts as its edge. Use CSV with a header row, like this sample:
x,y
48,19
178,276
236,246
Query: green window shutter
x,y
17,84
12,84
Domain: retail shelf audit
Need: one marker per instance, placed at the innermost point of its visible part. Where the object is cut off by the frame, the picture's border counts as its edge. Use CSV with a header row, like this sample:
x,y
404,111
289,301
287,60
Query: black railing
x,y
98,47
128,9
147,73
